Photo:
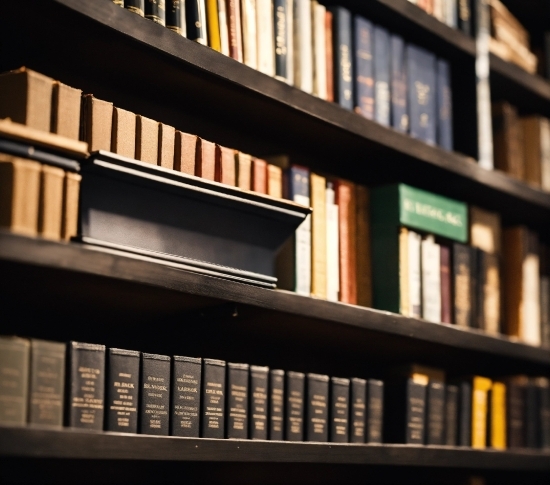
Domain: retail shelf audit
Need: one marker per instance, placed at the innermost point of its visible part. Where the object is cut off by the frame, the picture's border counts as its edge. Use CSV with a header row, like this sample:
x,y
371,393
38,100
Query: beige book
x,y
532,149
147,138
266,39
26,98
491,294
50,206
19,194
244,170
545,153
250,51
185,153
123,136
167,140
66,103
404,292
319,50
71,193
485,230
97,123
364,264
274,181
318,236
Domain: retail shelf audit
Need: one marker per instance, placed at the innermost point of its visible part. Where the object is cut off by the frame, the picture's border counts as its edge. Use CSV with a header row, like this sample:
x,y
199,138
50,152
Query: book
x,y
122,391
303,47
265,37
451,13
363,67
435,411
489,282
224,27
342,51
50,203
545,310
543,390
274,181
155,10
185,153
382,75
516,387
347,230
358,410
244,170
166,146
444,105
330,58
65,120
375,411
451,415
363,247
414,274
96,124
464,17
485,230
507,140
14,385
476,293
259,175
294,412
196,21
213,399
339,410
431,280
465,413
282,33
480,390
319,13
135,6
317,410
123,133
318,236
175,16
404,291
237,401
147,139
225,166
333,260
71,191
154,406
276,404
249,33
235,29
399,108
497,416
186,396
213,24
533,146
461,284
205,165
545,153
259,385
86,386
532,421
445,279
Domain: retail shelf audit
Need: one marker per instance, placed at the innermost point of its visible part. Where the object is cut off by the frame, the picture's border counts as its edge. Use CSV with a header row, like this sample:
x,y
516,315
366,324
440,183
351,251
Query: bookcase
x,y
61,291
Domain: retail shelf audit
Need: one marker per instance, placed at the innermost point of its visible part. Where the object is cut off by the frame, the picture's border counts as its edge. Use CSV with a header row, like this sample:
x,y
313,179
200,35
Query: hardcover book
x,y
259,377
66,103
223,25
155,394
319,50
166,146
465,413
135,6
244,170
543,390
462,284
175,16
186,396
532,417
480,392
235,29
225,166
147,139
431,280
303,52
276,404
485,230
507,140
382,76
213,24
96,124
451,414
317,413
497,416
399,108
50,202
206,160
347,220
435,412
123,135
375,411
333,253
259,175
464,16
14,385
155,10
237,401
330,58
294,412
274,181
446,287
71,191
185,153
318,236
196,21
516,387
358,410
444,106
265,37
533,148
363,65
213,399
339,410
249,33
363,247
282,33
342,49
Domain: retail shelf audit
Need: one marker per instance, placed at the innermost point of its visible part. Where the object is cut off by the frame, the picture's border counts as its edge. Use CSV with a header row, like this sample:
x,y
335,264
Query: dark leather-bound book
x,y
186,396
136,6
155,10
14,385
465,413
461,284
317,408
532,416
294,412
435,412
451,415
281,20
237,401
375,410
276,404
543,389
339,410
399,111
382,76
195,19
122,391
175,16
358,410
446,296
86,394
259,378
474,288
363,67
213,399
516,387
154,412
444,106
508,140
343,55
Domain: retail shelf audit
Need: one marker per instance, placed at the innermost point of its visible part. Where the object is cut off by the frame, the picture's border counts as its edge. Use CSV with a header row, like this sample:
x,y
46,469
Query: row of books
x,y
133,392
326,52
454,13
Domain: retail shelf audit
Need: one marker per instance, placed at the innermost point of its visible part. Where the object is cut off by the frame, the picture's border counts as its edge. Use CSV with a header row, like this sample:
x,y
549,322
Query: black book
x,y
465,413
532,421
464,16
14,384
47,383
294,413
186,396
136,6
86,386
195,21
155,10
358,411
155,395
543,385
339,407
122,391
175,16
342,52
515,411
276,404
259,377
451,415
213,399
317,407
479,317
474,288
435,413
375,410
281,25
462,291
237,401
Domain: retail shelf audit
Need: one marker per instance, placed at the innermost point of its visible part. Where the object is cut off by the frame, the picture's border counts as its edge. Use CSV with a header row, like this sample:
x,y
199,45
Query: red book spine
x,y
225,165
206,160
234,28
445,266
330,57
345,198
259,175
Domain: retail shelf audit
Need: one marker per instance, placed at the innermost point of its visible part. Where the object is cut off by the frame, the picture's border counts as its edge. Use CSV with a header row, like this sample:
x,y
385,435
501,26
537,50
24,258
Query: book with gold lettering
x,y
237,401
196,21
358,410
444,106
340,410
259,385
399,107
375,411
382,75
282,12
435,408
14,385
343,55
154,406
277,402
213,399
480,398
175,16
294,410
461,284
364,75
155,10
186,396
317,408
135,6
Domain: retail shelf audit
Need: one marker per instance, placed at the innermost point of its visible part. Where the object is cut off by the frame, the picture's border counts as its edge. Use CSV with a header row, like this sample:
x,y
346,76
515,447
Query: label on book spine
x,y
175,16
258,402
237,401
358,410
186,396
375,411
14,385
342,48
155,10
213,399
276,404
382,100
155,394
364,76
317,407
195,16
435,413
339,404
295,383
135,6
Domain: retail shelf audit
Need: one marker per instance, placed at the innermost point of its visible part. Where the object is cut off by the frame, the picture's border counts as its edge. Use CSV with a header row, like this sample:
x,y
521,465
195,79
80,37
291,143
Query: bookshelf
x,y
142,67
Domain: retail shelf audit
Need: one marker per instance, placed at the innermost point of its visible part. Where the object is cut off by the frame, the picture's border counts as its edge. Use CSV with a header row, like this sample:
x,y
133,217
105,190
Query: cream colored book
x,y
264,30
318,236
224,31
415,285
431,280
319,50
249,33
333,266
404,293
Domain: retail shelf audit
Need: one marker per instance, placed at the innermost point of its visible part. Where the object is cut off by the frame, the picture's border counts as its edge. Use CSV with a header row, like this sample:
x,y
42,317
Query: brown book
x,y
26,98
532,148
71,192
364,264
485,230
446,298
50,206
330,57
185,153
346,200
123,137
147,139
259,175
490,279
66,103
235,30
19,194
167,140
205,166
225,165
507,140
274,181
244,170
97,122
318,236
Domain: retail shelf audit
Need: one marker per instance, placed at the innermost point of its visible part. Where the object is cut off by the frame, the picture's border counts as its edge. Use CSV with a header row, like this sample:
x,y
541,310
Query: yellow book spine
x,y
498,416
318,237
480,388
213,25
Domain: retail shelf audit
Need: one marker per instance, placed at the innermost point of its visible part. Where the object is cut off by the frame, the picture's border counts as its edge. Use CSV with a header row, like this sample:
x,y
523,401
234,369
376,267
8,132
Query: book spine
x,y
300,193
175,16
347,209
155,10
237,401
382,99
135,6
363,247
364,74
415,275
405,402
451,415
185,153
71,192
196,22
86,385
415,412
259,176
431,284
435,413
333,271
317,413
444,106
479,317
244,170
274,181
329,56
464,16
318,236
186,396
342,49
294,413
451,13
155,395
445,278
213,399
465,414
480,392
276,404
14,384
319,50
213,25
206,161
290,42
474,287
399,111
532,423
265,39
375,411
122,391
224,27
491,294
515,411
249,33
358,413
545,149
497,416
340,410
404,291
259,377
235,32
303,55
281,25
544,402
461,285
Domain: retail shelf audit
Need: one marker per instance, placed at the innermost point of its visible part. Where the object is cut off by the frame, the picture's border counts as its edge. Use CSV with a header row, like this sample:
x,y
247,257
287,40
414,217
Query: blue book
x,y
399,112
382,99
444,106
421,82
363,72
342,48
281,24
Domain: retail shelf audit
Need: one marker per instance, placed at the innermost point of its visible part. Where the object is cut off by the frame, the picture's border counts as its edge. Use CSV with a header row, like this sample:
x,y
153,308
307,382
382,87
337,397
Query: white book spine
x,y
452,13
248,15
264,29
431,280
303,46
530,322
414,275
545,153
333,273
303,251
224,31
202,19
404,293
438,10
290,42
319,51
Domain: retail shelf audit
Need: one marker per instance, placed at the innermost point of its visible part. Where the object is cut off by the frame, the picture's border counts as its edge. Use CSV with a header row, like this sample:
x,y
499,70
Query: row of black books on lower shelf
x,y
88,386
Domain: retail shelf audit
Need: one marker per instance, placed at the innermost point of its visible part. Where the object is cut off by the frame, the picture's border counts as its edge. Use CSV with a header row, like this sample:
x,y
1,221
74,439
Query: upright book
x,y
213,399
303,44
249,33
318,236
444,106
452,394
358,410
259,385
382,76
363,67
175,16
375,411
237,401
14,385
265,37
282,33
155,10
339,410
294,412
155,394
135,6
276,404
342,48
317,408
196,21
347,232
186,396
399,105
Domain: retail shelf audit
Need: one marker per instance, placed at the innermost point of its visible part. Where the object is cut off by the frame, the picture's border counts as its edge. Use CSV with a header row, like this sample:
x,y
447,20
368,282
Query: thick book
x,y
375,411
294,411
50,202
249,33
317,408
516,387
496,435
452,394
431,280
66,103
363,67
464,16
206,160
185,153
86,386
446,286
96,123
225,166
274,181
382,75
282,33
213,24
339,409
213,399
330,57
461,284
543,391
196,21
347,222
507,140
399,107
235,29
342,41
303,45
532,127
186,396
14,385
476,295
480,400
166,146
122,391
259,175
223,25
155,10
363,247
319,13
414,273
154,406
465,413
259,386
485,230
333,253
435,412
318,236
175,17
243,165
444,106
265,37
147,140
358,410
123,134
135,6
237,401
71,193
489,282
276,404
532,421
